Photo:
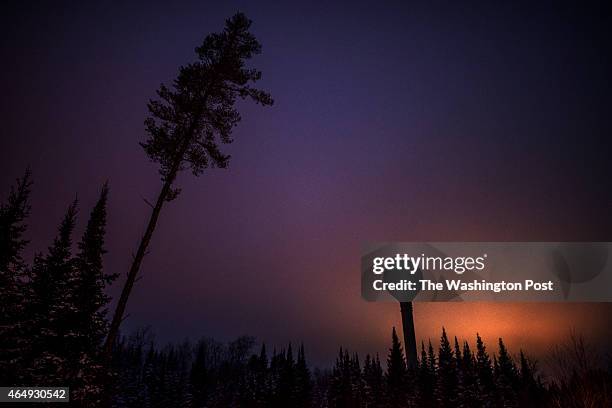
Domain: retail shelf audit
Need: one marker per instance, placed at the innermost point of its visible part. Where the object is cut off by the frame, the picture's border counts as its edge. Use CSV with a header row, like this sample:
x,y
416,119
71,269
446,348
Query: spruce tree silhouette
x,y
468,390
88,325
446,390
303,380
51,305
426,377
190,119
88,284
373,379
397,374
12,227
483,370
12,269
507,377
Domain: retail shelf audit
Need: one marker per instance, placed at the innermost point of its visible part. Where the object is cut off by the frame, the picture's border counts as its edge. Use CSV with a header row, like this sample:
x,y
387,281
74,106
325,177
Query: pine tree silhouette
x,y
12,227
530,390
506,377
373,382
484,372
287,379
15,343
468,387
188,121
303,395
51,306
88,323
426,379
397,373
346,384
258,385
458,357
446,390
199,376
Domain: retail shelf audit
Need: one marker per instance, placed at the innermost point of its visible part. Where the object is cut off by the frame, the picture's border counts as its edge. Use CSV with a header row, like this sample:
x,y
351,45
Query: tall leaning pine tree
x,y
189,120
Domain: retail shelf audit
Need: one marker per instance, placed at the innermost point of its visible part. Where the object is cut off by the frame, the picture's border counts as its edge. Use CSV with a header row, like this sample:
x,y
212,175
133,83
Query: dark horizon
x,y
411,123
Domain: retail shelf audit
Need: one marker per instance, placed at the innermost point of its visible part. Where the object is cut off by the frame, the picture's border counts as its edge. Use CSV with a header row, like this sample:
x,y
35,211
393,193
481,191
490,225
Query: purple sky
x,y
390,123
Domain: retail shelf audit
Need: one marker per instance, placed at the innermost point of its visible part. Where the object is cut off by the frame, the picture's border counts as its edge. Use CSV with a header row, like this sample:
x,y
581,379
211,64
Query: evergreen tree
x,y
303,393
373,382
321,386
89,324
51,307
15,342
128,361
167,382
343,392
231,371
447,374
506,377
337,388
254,391
276,366
531,390
396,373
259,373
468,388
199,376
484,372
357,383
12,227
426,380
431,360
458,357
287,379
526,370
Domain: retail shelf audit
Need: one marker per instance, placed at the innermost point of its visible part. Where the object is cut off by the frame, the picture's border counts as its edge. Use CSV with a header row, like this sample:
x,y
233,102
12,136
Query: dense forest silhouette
x,y
56,329
55,321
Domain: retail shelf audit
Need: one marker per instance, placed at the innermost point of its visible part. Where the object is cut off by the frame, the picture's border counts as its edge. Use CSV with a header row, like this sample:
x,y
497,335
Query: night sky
x,y
408,123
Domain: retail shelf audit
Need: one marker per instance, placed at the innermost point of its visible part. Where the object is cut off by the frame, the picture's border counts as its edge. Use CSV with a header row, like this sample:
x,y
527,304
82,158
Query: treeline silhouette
x,y
54,321
213,374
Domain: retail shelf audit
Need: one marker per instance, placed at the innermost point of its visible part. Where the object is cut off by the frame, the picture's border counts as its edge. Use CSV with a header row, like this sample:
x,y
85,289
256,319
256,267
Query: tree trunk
x,y
133,273
142,250
409,335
